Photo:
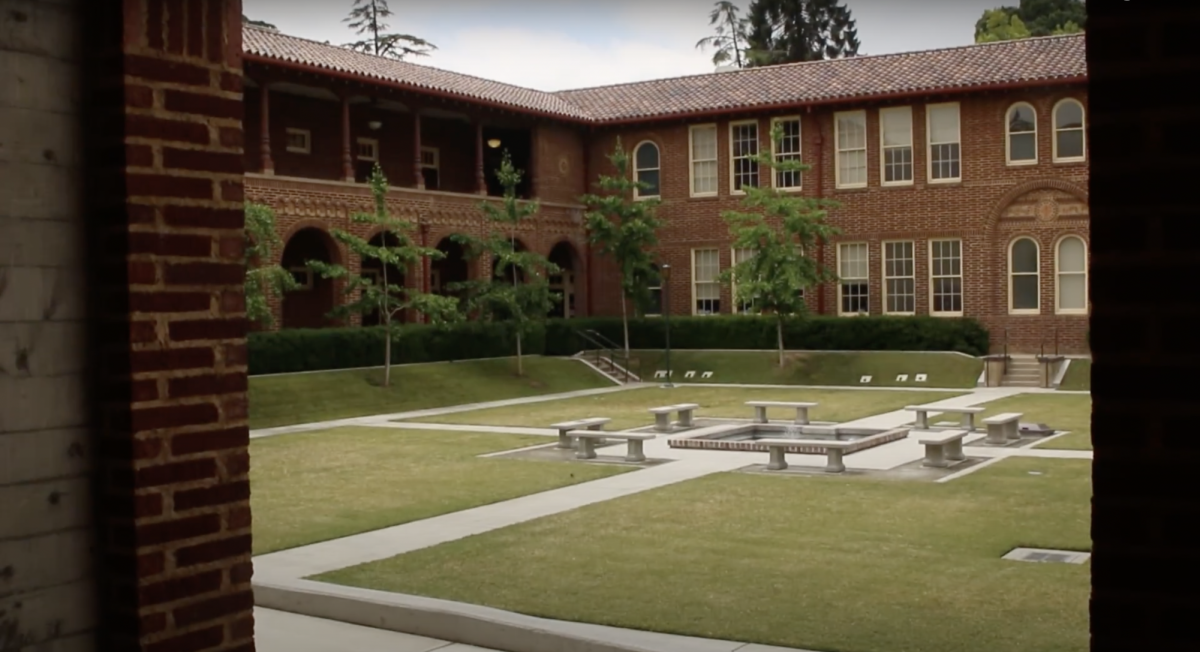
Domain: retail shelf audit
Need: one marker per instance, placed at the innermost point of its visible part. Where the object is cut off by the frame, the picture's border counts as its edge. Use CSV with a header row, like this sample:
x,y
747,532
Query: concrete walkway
x,y
280,631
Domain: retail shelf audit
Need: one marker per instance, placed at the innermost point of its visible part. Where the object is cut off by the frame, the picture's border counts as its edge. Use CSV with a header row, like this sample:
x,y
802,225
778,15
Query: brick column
x,y
166,221
1146,500
418,178
268,165
480,179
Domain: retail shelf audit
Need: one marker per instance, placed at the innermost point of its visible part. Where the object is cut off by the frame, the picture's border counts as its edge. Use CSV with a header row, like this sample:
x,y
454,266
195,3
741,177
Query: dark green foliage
x,y
1043,17
367,19
788,31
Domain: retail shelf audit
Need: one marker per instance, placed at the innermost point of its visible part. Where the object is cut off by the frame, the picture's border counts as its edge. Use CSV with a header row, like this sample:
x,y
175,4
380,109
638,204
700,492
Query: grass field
x,y
823,368
1071,412
305,398
845,564
1078,376
628,408
323,485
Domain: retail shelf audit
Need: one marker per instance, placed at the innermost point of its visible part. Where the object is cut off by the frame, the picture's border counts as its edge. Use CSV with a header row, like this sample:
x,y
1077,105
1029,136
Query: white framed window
x,y
787,149
945,278
1070,270
1020,125
656,293
945,142
646,169
431,160
854,272
896,146
740,307
702,152
743,147
367,149
706,288
899,278
850,134
303,277
299,141
1024,277
1070,134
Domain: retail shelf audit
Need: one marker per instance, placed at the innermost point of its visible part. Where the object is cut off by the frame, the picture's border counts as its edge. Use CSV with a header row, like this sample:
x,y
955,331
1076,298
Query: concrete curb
x,y
463,623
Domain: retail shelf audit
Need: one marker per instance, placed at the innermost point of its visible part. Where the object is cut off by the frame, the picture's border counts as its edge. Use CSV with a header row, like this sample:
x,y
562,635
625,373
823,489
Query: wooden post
x,y
347,151
480,179
268,165
419,178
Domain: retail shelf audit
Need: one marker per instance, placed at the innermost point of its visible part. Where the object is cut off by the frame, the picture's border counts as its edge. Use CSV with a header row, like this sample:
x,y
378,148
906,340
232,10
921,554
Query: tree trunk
x,y
387,332
779,339
520,366
625,325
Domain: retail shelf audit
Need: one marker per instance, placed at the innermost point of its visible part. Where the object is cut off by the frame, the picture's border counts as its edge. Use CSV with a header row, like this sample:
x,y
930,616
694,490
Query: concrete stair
x,y
1023,371
608,366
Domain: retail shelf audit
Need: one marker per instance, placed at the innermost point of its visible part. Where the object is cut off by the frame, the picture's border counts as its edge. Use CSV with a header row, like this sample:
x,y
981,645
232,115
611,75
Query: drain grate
x,y
1047,556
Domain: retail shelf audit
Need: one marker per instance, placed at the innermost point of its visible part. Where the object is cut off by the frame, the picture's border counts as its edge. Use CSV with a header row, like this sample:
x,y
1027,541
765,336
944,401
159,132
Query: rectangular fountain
x,y
742,436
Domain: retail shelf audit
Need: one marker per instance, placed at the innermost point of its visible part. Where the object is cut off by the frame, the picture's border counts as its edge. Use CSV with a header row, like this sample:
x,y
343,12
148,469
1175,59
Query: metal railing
x,y
605,347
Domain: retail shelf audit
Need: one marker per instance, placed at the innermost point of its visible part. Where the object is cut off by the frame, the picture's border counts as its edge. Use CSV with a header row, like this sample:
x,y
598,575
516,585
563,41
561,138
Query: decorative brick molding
x,y
1062,185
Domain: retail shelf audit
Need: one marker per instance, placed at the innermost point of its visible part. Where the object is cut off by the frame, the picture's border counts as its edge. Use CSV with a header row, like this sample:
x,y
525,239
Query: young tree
x,y
518,288
729,42
779,229
263,281
787,31
625,229
383,296
366,18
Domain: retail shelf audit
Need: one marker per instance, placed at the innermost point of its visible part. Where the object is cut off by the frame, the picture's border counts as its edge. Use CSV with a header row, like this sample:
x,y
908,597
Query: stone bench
x,y
662,415
760,410
941,446
564,429
777,448
589,438
1003,428
923,411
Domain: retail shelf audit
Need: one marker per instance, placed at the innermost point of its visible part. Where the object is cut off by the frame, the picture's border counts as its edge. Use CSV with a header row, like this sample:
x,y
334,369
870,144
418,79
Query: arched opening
x,y
448,270
1024,277
563,283
310,304
373,269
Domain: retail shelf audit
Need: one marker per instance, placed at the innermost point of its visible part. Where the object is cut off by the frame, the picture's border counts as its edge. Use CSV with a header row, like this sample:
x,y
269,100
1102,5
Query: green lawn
x,y
822,368
847,564
316,486
1071,412
1079,375
628,409
306,398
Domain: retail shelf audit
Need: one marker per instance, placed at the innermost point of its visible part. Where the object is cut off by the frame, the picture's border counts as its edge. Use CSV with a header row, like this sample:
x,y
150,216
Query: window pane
x,y
1070,143
650,177
947,295
1020,119
943,124
1071,256
1072,292
654,307
704,177
704,143
1024,256
1022,147
944,161
852,167
897,127
852,131
897,164
1068,115
1025,292
647,156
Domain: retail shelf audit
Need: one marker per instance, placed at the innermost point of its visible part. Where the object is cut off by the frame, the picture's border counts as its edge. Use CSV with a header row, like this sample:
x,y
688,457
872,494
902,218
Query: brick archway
x,y
1023,189
568,282
309,306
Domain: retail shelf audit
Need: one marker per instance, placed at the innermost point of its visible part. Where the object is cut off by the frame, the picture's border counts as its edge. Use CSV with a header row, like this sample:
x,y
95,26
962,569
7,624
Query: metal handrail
x,y
591,337
600,336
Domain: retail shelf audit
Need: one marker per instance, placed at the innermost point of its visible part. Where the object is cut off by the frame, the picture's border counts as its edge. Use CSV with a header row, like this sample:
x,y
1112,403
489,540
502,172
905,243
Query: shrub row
x,y
343,348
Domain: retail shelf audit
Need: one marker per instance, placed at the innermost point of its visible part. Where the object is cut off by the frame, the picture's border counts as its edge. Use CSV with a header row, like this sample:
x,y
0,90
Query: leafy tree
x,y
1041,17
787,31
779,229
368,295
518,288
366,18
730,41
263,280
625,230
1001,26
257,23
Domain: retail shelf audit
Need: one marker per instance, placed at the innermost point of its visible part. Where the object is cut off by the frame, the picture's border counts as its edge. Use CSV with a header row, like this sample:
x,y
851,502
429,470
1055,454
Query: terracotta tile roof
x,y
1027,61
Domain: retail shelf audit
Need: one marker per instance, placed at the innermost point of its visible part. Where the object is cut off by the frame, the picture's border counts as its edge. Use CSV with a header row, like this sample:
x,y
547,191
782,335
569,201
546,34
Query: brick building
x,y
961,173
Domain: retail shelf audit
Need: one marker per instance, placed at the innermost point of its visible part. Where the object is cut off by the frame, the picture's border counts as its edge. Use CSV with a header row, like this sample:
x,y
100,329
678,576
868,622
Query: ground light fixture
x,y
666,310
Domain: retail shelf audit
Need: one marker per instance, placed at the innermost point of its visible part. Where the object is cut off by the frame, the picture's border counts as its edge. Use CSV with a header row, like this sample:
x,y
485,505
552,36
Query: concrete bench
x,y
923,412
941,446
588,438
1003,428
760,410
662,415
564,429
777,448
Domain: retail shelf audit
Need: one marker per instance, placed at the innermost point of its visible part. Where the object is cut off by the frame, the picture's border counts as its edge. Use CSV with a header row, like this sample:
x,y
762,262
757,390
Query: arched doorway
x,y
310,304
450,269
373,269
563,283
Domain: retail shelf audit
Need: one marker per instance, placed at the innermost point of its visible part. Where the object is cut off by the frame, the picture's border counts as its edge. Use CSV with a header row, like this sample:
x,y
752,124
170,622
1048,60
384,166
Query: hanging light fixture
x,y
493,142
374,125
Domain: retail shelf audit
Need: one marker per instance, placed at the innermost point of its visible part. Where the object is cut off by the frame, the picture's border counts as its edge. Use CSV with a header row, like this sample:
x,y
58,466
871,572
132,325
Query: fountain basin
x,y
744,437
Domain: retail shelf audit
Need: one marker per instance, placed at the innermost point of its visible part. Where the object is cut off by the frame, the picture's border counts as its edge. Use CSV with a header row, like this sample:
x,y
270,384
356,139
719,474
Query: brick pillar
x,y
347,151
1144,401
165,215
418,177
268,165
480,179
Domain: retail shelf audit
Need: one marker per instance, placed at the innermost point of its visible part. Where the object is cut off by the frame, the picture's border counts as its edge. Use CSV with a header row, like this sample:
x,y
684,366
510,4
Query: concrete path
x,y
280,631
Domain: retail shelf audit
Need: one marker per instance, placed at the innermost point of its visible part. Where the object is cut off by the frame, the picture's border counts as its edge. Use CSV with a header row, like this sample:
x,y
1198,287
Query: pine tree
x,y
382,296
779,229
367,18
519,288
263,281
257,23
729,42
626,230
787,31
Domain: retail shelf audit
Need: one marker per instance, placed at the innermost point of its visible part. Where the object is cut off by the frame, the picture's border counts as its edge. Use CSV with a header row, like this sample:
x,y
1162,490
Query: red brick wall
x,y
968,210
173,498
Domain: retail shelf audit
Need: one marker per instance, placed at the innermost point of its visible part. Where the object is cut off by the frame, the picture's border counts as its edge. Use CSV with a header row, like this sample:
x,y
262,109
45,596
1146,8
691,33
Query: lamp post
x,y
666,310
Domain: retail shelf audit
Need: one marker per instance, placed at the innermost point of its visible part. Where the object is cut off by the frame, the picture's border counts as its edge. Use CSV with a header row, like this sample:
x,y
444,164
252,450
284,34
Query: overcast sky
x,y
558,44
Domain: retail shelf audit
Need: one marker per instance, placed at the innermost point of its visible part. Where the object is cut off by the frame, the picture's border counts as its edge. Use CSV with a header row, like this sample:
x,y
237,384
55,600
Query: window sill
x,y
1070,163
899,314
1021,164
704,197
908,185
1071,313
851,190
946,314
1025,313
951,183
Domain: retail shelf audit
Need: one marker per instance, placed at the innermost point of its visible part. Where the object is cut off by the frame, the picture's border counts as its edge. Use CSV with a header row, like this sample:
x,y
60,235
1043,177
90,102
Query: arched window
x,y
1070,262
646,169
1024,280
1021,126
1069,131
